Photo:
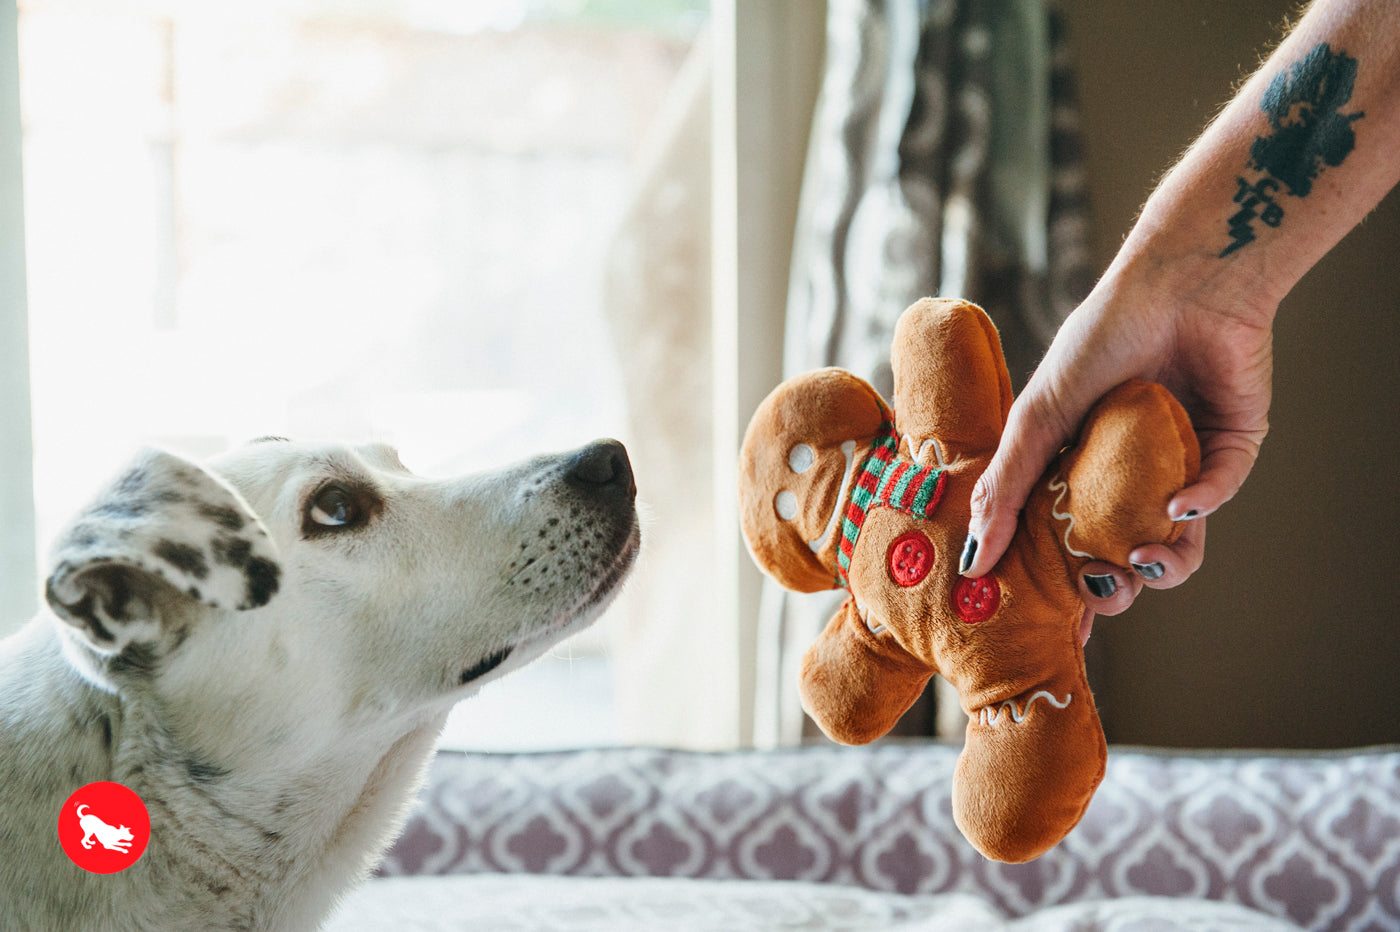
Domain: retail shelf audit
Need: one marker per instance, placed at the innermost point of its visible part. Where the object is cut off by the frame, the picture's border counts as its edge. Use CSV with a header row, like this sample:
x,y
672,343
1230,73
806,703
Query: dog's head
x,y
295,575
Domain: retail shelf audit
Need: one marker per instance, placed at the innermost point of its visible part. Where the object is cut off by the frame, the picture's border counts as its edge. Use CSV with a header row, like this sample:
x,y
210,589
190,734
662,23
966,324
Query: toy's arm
x,y
1108,494
950,382
856,684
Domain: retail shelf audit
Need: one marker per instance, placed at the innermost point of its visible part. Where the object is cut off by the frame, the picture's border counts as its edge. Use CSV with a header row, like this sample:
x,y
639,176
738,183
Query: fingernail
x,y
969,553
1101,586
1193,513
1150,570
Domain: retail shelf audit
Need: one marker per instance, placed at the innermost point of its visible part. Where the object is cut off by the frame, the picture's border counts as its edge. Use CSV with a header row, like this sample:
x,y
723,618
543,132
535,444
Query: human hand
x,y
1190,298
1216,360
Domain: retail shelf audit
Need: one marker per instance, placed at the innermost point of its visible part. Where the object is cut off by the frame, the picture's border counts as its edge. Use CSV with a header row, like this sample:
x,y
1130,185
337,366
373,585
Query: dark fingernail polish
x,y
1101,586
1150,570
969,554
1193,513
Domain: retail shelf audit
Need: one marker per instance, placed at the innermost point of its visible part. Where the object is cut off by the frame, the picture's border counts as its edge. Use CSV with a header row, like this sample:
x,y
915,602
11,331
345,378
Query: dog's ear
x,y
166,529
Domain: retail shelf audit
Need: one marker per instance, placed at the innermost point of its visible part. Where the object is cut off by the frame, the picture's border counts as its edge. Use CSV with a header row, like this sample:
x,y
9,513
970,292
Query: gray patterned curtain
x,y
944,160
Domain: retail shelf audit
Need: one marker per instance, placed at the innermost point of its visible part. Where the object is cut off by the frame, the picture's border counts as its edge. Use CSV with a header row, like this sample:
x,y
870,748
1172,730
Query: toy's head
x,y
839,491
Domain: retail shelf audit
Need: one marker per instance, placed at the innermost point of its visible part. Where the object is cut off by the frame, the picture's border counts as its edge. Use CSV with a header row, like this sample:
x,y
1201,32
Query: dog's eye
x,y
333,506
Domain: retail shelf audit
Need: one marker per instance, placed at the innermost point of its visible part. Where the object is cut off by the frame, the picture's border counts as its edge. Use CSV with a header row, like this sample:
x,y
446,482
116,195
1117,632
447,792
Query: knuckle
x,y
984,492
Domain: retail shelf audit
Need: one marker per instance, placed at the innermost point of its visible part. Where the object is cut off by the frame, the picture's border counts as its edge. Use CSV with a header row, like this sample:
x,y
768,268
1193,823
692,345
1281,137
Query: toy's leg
x,y
1029,768
855,683
1032,761
1109,493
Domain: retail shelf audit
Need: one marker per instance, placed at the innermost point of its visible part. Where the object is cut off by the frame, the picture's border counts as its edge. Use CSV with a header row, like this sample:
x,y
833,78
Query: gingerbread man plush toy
x,y
839,491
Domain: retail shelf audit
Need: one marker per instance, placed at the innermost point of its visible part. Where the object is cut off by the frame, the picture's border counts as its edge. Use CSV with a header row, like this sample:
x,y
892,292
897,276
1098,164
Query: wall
x,y
1288,636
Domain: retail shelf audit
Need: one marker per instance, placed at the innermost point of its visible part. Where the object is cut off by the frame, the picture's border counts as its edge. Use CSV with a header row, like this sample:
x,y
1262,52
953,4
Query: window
x,y
366,219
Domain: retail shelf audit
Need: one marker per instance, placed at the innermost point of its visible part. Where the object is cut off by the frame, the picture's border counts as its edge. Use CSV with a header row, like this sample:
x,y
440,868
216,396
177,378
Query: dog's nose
x,y
603,466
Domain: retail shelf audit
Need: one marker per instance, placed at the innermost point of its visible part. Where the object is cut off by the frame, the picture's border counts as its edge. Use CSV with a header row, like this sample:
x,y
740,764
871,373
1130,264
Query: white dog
x,y
264,649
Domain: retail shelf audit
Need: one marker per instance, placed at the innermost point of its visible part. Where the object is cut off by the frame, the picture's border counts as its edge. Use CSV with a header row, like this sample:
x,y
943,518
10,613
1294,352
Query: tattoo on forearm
x,y
1310,132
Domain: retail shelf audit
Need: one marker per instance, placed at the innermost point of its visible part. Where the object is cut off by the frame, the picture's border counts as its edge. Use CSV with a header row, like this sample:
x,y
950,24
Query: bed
x,y
863,838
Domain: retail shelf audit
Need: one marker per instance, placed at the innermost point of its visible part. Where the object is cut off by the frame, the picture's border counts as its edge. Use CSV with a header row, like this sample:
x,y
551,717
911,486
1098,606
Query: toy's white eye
x,y
786,505
801,458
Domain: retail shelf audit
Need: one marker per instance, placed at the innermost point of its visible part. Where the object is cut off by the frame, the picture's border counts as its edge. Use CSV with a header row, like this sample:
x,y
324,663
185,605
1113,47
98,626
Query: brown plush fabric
x,y
838,490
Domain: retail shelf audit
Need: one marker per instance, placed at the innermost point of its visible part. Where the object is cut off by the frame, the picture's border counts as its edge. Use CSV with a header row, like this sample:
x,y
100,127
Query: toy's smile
x,y
848,450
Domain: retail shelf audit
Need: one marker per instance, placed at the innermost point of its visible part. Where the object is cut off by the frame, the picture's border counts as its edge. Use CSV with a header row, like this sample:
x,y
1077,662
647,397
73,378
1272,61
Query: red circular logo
x,y
104,827
976,599
911,557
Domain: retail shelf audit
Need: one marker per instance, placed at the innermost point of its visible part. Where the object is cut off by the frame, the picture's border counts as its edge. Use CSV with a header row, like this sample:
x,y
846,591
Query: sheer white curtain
x,y
414,200
697,278
17,565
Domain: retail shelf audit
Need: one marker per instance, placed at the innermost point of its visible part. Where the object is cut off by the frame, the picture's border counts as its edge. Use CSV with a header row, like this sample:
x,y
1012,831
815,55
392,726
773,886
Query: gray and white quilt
x,y
817,834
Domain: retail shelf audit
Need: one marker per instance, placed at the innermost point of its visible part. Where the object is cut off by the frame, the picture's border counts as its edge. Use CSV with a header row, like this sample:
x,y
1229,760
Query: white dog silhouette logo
x,y
111,837
103,827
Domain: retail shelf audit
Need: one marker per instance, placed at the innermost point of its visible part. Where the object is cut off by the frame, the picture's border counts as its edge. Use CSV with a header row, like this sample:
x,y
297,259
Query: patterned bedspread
x,y
1310,838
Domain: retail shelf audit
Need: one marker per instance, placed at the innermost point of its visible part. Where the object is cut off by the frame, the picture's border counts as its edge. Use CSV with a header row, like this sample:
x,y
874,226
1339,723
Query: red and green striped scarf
x,y
886,479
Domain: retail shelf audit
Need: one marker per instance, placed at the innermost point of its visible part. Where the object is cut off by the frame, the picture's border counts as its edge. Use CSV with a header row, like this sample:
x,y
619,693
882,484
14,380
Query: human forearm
x,y
1307,147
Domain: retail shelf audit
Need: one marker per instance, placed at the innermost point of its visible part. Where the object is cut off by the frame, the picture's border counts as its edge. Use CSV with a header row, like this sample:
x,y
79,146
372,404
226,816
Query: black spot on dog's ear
x,y
231,551
263,580
190,479
227,518
183,557
120,595
84,613
135,659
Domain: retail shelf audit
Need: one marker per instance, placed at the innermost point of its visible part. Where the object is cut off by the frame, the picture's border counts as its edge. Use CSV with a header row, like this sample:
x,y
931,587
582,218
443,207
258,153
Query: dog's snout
x,y
603,466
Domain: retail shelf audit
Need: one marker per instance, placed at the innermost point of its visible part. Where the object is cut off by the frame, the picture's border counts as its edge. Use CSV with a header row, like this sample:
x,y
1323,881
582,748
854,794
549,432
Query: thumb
x,y
1035,432
1226,461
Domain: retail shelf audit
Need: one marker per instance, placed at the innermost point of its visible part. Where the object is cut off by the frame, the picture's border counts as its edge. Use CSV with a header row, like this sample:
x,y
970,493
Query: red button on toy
x,y
976,599
911,557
